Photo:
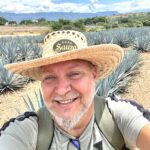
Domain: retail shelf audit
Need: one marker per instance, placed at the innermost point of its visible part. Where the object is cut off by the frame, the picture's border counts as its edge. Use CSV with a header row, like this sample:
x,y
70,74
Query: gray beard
x,y
68,124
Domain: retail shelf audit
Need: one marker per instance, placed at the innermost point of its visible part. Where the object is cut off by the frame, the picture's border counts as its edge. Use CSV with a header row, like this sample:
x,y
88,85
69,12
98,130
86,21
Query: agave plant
x,y
29,51
19,48
123,37
9,49
141,31
35,39
34,52
142,43
95,38
10,81
29,103
118,80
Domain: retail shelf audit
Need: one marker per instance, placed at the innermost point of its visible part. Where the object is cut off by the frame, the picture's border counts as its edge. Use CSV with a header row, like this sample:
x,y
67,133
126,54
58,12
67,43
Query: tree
x,y
3,21
124,20
26,22
79,24
88,21
41,20
100,19
12,23
64,22
56,25
146,23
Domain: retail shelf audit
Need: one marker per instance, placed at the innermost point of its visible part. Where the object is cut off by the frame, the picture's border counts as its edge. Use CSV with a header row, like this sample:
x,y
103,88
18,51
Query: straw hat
x,y
66,45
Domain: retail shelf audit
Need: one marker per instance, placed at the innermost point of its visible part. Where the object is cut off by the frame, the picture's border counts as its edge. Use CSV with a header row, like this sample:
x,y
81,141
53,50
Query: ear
x,y
94,72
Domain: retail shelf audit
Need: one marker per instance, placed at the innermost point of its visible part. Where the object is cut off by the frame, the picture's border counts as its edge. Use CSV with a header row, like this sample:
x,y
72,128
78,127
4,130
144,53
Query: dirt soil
x,y
139,88
23,30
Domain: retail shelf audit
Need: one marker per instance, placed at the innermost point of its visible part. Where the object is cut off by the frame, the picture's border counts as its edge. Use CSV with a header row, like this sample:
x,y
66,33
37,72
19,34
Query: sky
x,y
33,6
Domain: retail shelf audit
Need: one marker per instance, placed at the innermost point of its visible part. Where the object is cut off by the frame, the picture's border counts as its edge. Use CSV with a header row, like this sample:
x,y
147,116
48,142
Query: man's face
x,y
68,90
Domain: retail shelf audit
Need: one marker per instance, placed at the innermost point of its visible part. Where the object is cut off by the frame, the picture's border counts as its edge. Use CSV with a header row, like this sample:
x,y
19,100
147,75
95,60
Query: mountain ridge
x,y
53,16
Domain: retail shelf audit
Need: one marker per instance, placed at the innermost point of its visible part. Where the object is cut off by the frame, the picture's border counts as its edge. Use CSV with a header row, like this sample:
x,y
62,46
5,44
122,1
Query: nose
x,y
63,87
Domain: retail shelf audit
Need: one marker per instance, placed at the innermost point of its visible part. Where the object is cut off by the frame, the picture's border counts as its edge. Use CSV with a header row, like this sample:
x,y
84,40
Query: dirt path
x,y
22,30
9,102
139,89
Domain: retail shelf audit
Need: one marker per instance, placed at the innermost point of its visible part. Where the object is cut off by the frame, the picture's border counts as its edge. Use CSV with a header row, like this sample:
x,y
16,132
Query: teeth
x,y
67,101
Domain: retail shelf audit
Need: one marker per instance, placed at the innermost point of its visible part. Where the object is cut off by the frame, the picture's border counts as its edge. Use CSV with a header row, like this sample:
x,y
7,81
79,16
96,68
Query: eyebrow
x,y
74,66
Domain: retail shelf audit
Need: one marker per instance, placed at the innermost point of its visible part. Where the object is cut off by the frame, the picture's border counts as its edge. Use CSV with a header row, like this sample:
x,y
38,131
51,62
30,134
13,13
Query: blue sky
x,y
32,6
87,1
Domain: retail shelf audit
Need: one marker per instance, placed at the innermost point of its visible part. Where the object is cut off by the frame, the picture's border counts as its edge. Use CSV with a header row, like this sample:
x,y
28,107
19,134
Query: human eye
x,y
75,75
49,78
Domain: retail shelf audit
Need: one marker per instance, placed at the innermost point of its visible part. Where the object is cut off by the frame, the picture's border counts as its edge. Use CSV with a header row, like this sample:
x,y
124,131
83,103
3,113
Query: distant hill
x,y
54,15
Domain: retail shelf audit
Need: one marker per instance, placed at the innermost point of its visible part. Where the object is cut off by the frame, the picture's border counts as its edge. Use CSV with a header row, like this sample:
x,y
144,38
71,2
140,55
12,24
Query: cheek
x,y
85,86
47,93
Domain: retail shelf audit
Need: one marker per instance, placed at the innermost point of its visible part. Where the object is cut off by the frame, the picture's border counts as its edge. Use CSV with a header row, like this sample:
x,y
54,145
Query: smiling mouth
x,y
68,101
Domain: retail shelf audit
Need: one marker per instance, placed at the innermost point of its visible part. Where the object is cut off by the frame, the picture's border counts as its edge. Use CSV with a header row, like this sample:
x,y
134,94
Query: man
x,y
68,72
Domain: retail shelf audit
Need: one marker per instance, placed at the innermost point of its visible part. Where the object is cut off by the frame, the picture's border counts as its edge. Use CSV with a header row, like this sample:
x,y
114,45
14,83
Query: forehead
x,y
70,64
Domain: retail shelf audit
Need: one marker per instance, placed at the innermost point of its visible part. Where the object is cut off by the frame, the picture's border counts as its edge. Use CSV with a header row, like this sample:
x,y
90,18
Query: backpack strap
x,y
103,117
45,129
107,124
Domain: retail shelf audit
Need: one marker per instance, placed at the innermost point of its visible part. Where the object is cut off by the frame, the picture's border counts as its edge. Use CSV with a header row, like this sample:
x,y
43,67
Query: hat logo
x,y
64,45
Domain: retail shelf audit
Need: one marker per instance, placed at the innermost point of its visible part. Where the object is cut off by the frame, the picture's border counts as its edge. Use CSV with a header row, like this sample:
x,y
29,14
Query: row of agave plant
x,y
136,38
14,49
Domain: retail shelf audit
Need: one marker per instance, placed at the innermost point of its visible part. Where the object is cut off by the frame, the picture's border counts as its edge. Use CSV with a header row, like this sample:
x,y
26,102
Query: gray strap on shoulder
x,y
107,124
45,129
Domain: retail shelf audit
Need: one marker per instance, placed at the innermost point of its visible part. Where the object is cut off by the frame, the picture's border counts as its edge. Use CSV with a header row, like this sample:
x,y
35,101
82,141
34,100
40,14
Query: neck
x,y
83,123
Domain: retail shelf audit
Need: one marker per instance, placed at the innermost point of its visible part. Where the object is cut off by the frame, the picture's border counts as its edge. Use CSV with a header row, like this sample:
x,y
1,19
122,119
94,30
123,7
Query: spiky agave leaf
x,y
39,98
38,101
35,39
9,51
34,51
19,49
142,43
95,38
10,81
29,104
119,79
123,37
29,50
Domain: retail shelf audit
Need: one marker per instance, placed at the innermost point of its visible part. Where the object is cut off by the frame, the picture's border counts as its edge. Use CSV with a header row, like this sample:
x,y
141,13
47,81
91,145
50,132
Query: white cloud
x,y
132,5
123,7
26,6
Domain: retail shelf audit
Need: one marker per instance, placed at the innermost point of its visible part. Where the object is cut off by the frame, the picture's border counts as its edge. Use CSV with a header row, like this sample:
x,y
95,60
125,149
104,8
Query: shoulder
x,y
20,132
26,119
122,106
130,116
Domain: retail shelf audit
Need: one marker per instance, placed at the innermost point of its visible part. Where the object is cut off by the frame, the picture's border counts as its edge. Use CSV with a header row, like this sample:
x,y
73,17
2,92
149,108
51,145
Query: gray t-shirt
x,y
22,135
89,138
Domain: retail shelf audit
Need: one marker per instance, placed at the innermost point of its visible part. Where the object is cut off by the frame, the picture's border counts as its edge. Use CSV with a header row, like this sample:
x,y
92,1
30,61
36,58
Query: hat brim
x,y
105,56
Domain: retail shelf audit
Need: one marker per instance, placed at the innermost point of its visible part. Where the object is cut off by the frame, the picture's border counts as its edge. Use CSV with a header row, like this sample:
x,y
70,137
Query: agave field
x,y
16,49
